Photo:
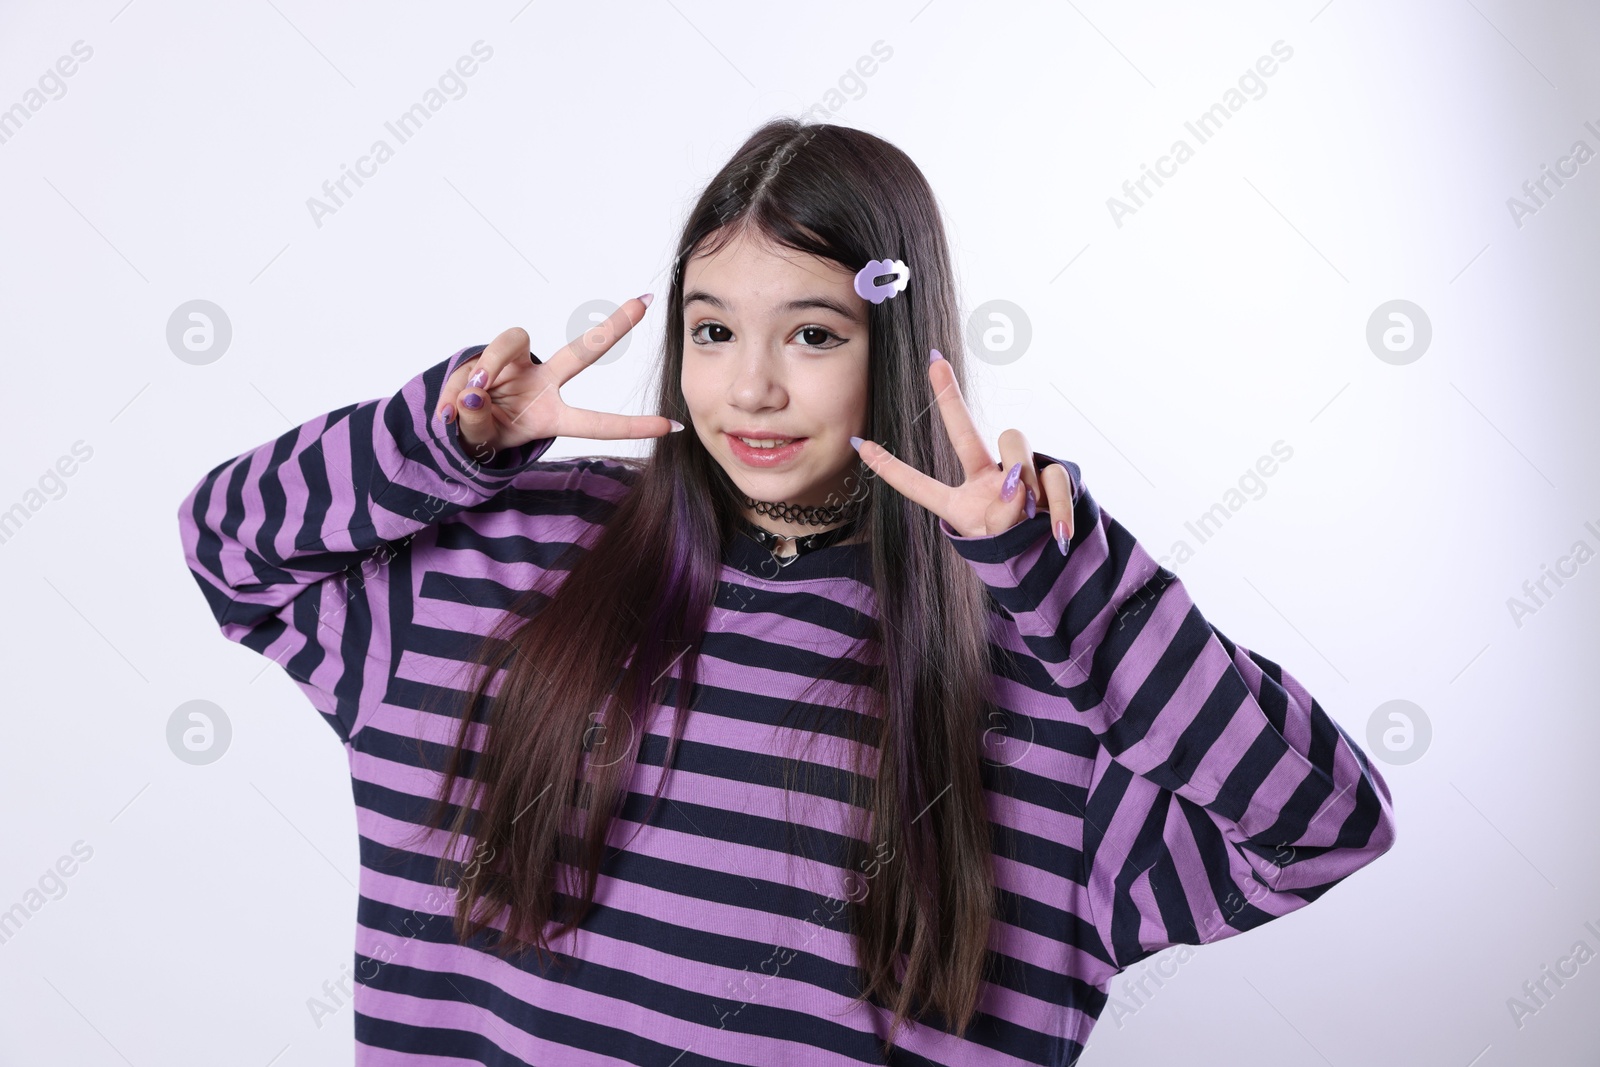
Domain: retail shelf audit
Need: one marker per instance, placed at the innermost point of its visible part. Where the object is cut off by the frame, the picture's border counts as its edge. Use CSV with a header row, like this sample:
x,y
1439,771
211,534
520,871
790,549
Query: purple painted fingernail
x,y
448,413
1061,535
1027,504
935,354
479,379
472,401
1008,488
855,442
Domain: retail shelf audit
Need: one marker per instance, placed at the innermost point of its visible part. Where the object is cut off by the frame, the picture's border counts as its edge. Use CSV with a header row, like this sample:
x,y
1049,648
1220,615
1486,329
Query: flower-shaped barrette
x,y
867,286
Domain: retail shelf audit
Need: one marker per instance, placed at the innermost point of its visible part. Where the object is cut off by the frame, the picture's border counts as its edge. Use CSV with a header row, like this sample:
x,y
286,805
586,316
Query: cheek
x,y
693,387
836,401
851,411
700,411
855,407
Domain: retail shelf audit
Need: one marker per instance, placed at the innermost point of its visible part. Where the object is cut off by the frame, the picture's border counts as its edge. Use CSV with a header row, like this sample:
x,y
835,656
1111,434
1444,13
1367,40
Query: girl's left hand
x,y
981,505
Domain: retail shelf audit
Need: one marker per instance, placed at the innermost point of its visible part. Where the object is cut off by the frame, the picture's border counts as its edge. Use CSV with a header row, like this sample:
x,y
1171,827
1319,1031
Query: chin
x,y
774,485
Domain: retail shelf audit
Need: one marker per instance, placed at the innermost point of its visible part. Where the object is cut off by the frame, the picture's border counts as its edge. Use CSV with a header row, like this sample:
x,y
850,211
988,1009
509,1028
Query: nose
x,y
757,382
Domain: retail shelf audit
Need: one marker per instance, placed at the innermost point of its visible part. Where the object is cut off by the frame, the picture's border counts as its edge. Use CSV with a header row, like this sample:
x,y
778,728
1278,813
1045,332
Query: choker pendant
x,y
773,541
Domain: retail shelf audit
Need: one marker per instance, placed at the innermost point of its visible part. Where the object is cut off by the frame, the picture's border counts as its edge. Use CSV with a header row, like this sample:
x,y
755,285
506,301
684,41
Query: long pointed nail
x,y
479,379
933,355
646,298
1061,535
1028,507
1008,488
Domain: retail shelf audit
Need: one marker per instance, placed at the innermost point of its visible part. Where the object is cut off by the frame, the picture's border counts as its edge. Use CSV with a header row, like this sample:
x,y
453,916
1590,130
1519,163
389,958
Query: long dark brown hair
x,y
635,602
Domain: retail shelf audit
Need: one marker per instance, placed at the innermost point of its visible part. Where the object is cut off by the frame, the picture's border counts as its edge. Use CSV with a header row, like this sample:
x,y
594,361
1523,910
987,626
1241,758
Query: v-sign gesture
x,y
988,501
507,397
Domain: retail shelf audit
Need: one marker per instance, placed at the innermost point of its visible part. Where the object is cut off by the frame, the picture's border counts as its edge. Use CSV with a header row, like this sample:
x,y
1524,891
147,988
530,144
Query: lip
x,y
759,435
762,458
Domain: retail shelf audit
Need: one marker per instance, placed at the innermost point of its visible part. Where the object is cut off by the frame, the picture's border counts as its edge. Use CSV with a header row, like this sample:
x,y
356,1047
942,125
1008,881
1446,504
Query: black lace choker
x,y
813,515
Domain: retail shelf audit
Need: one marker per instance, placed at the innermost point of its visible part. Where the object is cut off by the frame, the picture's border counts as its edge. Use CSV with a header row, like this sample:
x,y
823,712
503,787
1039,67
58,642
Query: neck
x,y
797,519
786,537
784,528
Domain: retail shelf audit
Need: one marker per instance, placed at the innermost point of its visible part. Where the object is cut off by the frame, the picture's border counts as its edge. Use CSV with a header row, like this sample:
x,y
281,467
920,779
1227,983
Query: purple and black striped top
x,y
1165,786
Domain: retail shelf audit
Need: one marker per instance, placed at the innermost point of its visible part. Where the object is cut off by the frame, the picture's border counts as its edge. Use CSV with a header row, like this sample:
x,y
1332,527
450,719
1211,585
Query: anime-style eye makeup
x,y
821,346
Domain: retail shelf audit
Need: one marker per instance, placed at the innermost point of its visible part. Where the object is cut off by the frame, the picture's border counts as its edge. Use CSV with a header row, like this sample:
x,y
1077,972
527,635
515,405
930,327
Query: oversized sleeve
x,y
1222,794
290,541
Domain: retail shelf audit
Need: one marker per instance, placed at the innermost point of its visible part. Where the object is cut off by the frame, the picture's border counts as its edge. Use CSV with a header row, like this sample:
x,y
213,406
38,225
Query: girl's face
x,y
775,346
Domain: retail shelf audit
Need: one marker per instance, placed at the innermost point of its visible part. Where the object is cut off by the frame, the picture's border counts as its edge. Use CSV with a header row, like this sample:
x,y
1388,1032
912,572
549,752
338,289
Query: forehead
x,y
754,266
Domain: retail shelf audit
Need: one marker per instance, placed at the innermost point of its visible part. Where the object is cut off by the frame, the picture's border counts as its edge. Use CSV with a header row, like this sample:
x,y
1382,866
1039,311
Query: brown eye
x,y
694,334
816,336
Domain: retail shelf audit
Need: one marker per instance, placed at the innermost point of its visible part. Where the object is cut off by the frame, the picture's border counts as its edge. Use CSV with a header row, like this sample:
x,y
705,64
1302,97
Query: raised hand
x,y
504,398
988,501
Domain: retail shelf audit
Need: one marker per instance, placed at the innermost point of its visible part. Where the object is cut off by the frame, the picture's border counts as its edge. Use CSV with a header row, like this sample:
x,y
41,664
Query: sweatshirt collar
x,y
749,556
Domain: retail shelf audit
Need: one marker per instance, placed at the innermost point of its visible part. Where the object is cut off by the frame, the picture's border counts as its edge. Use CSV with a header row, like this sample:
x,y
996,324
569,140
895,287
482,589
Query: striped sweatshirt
x,y
1162,785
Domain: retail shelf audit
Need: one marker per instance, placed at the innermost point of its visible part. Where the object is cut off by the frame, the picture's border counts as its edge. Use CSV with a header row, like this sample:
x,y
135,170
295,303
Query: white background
x,y
1167,356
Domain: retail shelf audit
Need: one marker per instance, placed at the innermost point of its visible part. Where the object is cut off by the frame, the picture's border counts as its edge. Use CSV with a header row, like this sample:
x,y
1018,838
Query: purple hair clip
x,y
867,286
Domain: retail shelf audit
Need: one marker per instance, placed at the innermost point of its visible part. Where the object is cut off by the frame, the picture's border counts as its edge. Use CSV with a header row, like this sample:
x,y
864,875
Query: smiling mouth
x,y
766,454
765,442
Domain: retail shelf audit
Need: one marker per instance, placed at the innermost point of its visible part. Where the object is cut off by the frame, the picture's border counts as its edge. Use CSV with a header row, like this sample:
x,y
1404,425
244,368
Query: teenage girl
x,y
826,733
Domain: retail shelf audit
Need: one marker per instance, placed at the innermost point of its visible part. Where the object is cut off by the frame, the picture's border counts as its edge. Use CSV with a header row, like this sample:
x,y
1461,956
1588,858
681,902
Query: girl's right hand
x,y
519,400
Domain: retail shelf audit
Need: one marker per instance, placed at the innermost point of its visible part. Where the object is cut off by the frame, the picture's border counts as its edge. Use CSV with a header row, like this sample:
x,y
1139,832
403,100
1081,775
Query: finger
x,y
582,351
1058,499
510,347
476,423
449,404
958,424
908,481
1014,451
609,426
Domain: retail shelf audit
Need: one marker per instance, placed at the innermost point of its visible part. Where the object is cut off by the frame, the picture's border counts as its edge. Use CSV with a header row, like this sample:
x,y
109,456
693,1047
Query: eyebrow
x,y
793,305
